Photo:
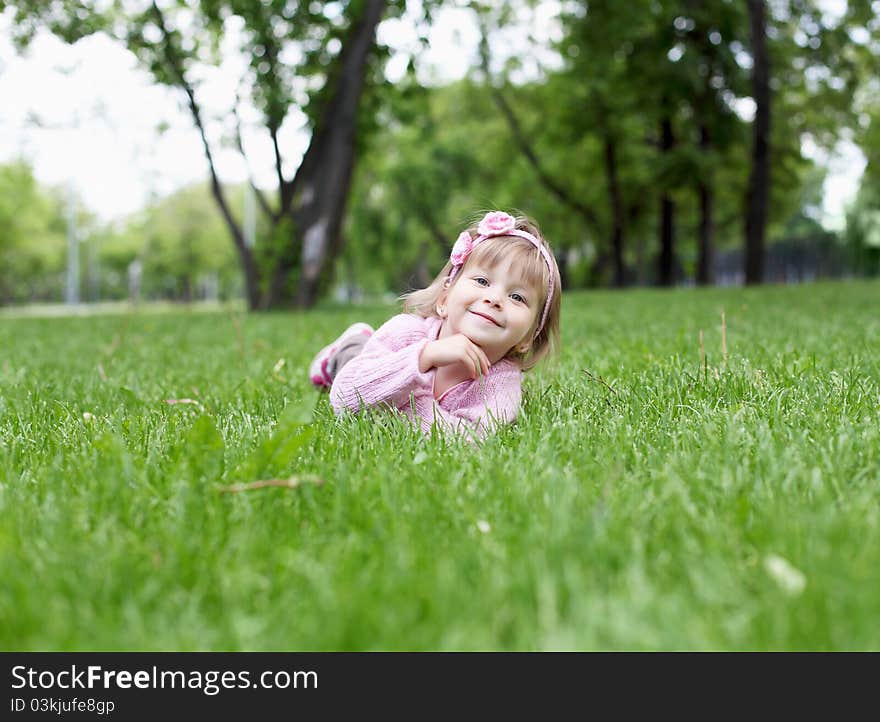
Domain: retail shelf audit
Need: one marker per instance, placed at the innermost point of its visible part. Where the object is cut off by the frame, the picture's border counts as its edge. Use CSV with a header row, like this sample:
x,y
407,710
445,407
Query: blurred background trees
x,y
32,237
650,139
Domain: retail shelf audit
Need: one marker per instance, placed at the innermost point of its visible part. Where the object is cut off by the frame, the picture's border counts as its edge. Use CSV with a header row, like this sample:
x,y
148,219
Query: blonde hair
x,y
535,273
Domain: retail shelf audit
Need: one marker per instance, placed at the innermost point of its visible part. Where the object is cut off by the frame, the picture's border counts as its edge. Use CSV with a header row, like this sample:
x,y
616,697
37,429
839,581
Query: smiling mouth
x,y
488,318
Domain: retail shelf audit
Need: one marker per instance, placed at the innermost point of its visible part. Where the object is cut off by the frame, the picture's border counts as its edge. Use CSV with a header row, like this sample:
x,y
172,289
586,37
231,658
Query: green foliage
x,y
32,237
180,240
182,244
863,217
184,239
641,501
70,20
863,230
443,154
295,52
291,46
430,158
117,245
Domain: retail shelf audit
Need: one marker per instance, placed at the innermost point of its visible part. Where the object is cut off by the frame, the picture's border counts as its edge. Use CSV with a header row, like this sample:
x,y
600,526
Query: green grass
x,y
649,504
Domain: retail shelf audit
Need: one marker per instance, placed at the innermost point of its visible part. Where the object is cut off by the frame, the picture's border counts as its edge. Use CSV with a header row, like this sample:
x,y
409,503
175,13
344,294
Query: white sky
x,y
99,115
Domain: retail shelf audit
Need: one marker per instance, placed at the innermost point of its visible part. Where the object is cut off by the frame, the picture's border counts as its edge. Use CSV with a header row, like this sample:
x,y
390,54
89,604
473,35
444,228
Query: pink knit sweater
x,y
387,372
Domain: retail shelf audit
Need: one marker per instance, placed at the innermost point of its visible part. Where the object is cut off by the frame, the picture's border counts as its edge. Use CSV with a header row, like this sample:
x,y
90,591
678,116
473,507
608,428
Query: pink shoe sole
x,y
318,368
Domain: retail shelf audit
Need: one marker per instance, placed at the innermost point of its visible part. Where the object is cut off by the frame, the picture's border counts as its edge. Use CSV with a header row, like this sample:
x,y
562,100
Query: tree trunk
x,y
562,266
666,258
618,219
599,267
245,256
321,185
187,294
633,213
175,64
759,178
705,274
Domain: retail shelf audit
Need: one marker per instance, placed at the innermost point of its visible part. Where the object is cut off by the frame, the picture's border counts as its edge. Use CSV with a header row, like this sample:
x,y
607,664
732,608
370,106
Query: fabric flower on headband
x,y
462,249
496,223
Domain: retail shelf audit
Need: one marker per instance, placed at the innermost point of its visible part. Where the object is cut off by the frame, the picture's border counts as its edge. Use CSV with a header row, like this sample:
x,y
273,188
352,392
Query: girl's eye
x,y
516,297
482,281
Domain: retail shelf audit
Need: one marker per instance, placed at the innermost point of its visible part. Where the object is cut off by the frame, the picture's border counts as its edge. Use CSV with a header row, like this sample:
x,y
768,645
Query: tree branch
x,y
261,198
426,215
519,137
285,187
176,65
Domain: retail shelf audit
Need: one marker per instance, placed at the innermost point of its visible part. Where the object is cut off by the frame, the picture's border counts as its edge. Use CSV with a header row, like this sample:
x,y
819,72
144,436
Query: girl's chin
x,y
487,348
476,335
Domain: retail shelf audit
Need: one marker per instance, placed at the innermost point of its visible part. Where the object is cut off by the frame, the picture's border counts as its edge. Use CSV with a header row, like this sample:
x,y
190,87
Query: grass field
x,y
643,501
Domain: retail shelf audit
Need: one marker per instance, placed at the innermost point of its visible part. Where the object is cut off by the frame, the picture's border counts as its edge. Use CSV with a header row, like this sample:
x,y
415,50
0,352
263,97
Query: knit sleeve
x,y
483,407
387,370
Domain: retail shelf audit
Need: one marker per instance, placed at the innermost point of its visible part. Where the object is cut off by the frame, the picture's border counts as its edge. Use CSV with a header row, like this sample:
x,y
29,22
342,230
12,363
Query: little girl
x,y
455,357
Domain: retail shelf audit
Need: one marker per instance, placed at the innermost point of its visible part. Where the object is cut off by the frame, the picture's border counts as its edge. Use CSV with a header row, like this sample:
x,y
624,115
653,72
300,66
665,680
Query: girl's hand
x,y
454,349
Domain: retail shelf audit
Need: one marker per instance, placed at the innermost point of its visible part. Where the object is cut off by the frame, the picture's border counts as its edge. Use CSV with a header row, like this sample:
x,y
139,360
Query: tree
x,y
759,180
430,171
304,56
863,231
32,237
629,83
807,66
183,242
586,100
707,33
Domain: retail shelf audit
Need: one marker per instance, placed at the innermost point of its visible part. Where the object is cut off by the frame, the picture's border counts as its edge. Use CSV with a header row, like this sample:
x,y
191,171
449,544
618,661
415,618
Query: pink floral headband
x,y
499,223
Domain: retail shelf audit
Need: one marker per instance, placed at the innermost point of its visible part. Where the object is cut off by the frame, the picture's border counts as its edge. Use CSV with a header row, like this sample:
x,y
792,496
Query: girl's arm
x,y
484,406
387,370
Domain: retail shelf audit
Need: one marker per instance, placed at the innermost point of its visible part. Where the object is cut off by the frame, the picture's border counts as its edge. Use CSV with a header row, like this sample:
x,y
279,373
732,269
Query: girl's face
x,y
494,308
